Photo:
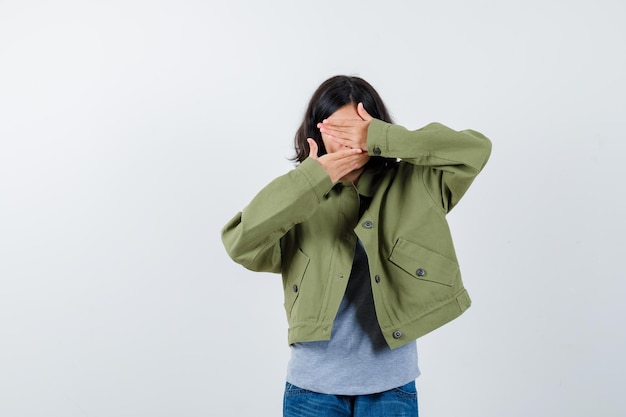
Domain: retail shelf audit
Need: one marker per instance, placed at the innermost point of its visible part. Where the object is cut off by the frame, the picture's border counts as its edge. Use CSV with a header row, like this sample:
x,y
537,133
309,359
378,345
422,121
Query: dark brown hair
x,y
332,94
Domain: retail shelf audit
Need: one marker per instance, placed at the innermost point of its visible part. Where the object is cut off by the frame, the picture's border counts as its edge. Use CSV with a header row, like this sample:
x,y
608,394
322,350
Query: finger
x,y
343,164
347,142
345,136
313,149
345,157
338,123
338,164
354,161
347,153
360,109
353,138
334,130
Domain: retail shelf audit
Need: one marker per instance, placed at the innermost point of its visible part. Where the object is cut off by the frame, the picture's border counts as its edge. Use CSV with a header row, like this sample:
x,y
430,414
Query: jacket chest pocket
x,y
423,264
293,279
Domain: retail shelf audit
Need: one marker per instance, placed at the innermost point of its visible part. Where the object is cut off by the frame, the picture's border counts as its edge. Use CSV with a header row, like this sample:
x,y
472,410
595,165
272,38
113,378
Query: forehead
x,y
347,111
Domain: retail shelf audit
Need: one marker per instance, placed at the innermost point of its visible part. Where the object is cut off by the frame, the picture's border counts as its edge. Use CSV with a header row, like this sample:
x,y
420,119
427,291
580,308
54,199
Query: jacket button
x,y
377,278
397,334
295,288
420,272
377,150
368,224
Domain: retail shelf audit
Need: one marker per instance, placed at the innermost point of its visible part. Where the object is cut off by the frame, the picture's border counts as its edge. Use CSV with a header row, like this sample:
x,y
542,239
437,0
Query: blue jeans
x,y
397,402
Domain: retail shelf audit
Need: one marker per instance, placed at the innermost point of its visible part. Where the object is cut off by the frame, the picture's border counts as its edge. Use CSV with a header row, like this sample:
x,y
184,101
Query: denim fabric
x,y
397,402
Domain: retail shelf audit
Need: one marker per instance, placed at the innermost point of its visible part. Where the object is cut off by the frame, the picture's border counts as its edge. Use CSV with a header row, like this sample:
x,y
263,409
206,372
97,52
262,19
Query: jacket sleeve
x,y
252,237
452,159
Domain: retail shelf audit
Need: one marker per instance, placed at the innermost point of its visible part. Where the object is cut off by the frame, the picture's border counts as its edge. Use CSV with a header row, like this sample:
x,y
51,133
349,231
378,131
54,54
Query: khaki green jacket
x,y
306,228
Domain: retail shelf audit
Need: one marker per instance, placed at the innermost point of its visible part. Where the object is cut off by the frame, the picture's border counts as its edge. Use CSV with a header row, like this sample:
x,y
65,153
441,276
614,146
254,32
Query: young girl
x,y
358,231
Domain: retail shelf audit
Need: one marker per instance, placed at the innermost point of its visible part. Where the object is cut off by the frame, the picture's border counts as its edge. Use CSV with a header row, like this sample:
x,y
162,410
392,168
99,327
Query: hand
x,y
341,165
348,132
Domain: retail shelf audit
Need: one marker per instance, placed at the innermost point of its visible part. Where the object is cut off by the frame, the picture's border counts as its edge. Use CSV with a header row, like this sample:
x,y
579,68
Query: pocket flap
x,y
422,263
294,276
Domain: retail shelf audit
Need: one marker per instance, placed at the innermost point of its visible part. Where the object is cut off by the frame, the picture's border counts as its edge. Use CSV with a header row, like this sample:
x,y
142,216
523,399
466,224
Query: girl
x,y
358,231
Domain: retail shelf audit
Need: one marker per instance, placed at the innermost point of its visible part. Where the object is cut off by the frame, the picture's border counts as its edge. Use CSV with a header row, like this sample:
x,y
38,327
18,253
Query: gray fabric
x,y
357,360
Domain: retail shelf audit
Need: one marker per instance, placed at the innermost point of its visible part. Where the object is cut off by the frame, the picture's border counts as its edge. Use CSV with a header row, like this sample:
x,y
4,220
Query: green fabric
x,y
306,228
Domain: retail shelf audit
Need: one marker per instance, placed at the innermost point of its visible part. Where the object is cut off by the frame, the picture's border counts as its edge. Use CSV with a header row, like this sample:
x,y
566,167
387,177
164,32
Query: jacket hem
x,y
432,320
395,336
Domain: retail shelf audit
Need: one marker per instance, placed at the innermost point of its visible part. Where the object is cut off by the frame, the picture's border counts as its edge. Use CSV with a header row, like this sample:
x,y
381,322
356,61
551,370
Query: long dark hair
x,y
332,94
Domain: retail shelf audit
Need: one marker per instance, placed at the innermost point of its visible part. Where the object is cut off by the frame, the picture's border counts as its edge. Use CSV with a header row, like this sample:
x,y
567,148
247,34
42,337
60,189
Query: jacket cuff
x,y
317,177
377,138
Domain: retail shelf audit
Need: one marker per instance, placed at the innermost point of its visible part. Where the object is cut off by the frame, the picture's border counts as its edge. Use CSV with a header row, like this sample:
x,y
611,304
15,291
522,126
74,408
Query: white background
x,y
131,131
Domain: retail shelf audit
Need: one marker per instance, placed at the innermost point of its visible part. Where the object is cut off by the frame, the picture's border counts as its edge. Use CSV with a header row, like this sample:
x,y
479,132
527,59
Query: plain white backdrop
x,y
131,131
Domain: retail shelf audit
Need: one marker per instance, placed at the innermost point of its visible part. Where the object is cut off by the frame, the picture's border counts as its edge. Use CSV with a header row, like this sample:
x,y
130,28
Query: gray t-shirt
x,y
356,360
